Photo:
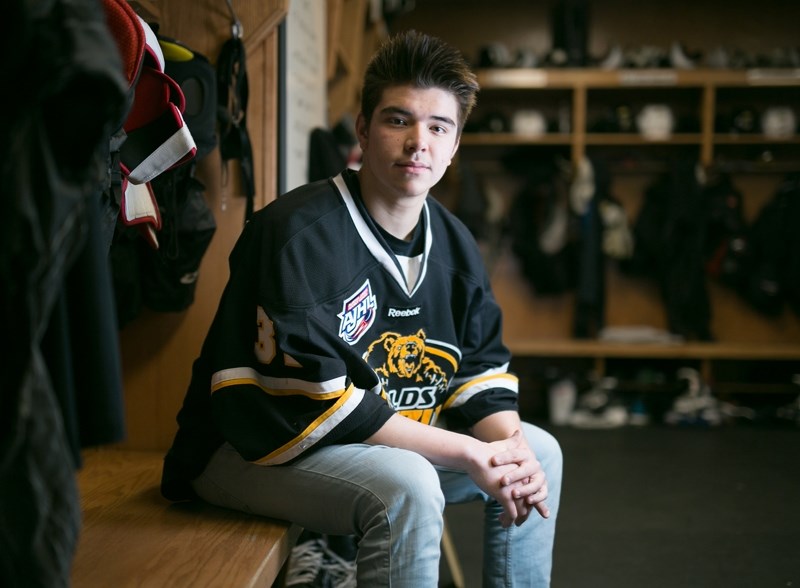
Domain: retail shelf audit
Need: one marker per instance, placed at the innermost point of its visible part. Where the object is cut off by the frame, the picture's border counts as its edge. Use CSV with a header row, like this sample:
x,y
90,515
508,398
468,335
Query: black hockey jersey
x,y
319,337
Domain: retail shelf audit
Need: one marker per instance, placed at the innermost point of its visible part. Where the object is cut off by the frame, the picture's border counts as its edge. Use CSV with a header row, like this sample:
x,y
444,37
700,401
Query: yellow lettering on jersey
x,y
425,416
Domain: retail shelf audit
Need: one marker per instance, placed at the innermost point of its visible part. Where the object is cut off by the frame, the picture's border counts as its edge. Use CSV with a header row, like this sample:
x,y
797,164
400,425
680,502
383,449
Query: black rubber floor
x,y
662,507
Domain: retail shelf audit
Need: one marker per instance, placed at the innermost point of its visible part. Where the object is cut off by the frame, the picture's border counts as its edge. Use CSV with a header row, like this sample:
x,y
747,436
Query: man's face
x,y
410,141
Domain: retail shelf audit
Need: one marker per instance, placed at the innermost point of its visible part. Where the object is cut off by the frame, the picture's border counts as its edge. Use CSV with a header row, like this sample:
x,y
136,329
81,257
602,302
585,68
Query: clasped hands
x,y
513,476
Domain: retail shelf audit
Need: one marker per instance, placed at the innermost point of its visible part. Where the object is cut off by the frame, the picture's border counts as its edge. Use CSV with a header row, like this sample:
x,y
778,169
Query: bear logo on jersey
x,y
409,373
358,314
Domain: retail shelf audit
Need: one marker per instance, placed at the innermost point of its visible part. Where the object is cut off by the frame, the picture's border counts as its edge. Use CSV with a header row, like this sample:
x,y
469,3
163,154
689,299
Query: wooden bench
x,y
132,536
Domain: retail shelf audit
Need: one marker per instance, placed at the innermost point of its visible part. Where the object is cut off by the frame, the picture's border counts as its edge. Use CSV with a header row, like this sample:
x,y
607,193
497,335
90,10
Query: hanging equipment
x,y
234,141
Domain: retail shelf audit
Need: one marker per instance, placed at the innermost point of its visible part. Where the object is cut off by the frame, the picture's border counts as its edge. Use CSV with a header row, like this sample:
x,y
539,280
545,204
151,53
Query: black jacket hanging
x,y
670,244
232,90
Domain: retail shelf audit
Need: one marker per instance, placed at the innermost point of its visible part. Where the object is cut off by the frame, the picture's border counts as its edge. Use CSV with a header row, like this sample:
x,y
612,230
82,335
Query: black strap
x,y
232,93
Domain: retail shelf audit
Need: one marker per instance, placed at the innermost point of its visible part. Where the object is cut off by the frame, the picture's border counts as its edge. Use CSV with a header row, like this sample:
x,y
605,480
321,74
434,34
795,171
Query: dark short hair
x,y
422,61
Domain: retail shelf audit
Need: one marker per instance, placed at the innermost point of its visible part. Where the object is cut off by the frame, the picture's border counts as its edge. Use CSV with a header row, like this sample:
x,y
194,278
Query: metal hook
x,y
236,28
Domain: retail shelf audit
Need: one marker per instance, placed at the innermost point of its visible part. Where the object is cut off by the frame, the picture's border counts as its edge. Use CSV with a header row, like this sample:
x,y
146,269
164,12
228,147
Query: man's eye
x,y
397,121
439,130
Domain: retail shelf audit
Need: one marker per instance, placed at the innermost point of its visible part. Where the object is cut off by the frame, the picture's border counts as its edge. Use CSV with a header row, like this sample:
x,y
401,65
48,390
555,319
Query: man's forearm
x,y
439,446
497,426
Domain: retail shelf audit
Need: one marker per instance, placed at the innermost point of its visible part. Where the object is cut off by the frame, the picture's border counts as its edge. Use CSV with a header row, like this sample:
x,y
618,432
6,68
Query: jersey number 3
x,y
265,345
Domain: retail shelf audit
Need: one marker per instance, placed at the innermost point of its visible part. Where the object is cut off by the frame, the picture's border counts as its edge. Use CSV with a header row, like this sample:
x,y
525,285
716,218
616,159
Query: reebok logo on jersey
x,y
358,314
403,312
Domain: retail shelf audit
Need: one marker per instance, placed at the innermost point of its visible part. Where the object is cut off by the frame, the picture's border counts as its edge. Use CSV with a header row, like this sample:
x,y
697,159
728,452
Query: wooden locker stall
x,y
158,348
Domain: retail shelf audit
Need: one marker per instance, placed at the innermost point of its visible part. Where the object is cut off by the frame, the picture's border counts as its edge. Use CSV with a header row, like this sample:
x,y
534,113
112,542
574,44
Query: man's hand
x,y
509,472
490,478
527,480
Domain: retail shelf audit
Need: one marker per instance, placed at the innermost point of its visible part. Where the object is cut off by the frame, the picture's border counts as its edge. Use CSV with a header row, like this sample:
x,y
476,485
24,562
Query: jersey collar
x,y
379,250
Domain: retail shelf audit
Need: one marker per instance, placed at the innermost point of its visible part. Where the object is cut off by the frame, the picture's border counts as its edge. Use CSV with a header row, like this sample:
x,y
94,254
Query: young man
x,y
358,310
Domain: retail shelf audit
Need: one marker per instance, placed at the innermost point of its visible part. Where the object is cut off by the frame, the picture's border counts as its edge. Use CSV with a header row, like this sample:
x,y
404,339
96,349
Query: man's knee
x,y
405,497
415,478
546,448
405,479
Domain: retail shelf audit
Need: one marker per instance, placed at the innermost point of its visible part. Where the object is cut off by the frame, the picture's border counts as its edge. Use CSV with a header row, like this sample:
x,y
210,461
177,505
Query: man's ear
x,y
362,130
455,150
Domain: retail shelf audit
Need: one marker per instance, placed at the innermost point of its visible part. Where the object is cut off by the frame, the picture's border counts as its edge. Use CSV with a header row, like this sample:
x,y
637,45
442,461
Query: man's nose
x,y
415,139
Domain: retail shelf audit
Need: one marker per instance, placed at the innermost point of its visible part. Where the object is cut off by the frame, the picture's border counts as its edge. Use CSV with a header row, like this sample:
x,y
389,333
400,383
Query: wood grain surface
x,y
131,536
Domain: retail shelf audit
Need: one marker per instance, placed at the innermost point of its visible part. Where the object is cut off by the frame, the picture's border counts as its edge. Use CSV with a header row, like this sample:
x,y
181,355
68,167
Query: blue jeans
x,y
392,500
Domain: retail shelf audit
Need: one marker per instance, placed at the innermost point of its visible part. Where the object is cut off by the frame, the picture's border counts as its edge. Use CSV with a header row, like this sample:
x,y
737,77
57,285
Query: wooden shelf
x,y
540,326
514,139
754,139
607,349
636,139
528,78
512,292
586,86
